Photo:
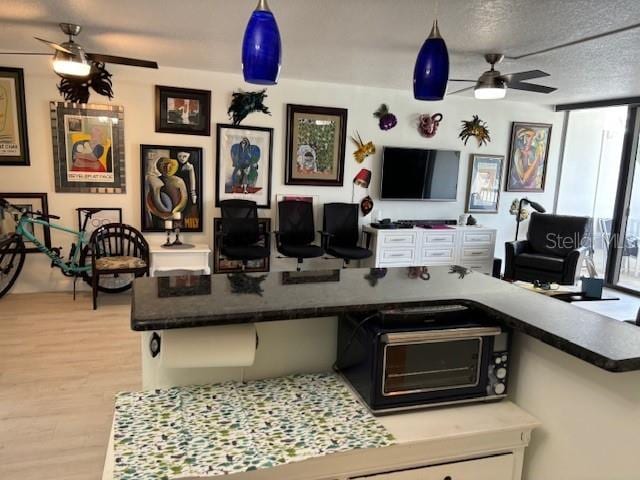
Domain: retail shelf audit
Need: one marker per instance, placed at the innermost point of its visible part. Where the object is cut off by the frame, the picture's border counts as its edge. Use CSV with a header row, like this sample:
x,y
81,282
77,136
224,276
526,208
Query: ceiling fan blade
x,y
132,62
530,87
460,91
54,45
25,53
520,76
461,80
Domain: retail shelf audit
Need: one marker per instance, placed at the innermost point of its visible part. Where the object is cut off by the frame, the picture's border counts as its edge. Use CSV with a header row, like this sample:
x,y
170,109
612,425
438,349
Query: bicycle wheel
x,y
116,283
11,261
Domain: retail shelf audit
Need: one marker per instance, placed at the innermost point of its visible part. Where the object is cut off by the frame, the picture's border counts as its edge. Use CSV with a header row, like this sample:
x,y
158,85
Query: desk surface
x,y
599,340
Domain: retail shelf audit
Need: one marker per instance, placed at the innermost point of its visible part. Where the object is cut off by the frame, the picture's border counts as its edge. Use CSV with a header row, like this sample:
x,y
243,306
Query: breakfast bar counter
x,y
189,302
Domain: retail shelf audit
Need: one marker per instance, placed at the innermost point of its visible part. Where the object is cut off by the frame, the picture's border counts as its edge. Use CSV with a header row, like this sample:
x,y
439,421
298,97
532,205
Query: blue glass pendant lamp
x,y
261,49
432,68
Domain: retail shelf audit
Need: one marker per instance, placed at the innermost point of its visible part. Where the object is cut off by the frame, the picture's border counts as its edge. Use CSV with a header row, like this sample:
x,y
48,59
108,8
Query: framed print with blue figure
x,y
243,164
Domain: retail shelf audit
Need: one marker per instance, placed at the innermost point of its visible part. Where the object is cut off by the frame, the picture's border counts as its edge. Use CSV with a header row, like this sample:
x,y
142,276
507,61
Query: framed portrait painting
x,y
315,145
35,202
171,183
183,110
528,154
243,164
485,175
221,264
88,148
14,143
101,217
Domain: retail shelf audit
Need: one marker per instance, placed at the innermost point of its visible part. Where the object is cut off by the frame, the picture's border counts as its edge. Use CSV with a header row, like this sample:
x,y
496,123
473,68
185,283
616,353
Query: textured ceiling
x,y
365,42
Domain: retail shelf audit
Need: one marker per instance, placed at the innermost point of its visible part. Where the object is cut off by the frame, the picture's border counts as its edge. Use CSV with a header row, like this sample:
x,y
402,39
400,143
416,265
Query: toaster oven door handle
x,y
437,335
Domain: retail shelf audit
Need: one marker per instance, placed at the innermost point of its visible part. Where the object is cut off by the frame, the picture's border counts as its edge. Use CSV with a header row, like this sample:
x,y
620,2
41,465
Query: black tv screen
x,y
418,174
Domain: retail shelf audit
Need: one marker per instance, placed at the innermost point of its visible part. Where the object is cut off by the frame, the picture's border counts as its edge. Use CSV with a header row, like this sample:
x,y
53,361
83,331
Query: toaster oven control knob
x,y
501,373
499,388
498,360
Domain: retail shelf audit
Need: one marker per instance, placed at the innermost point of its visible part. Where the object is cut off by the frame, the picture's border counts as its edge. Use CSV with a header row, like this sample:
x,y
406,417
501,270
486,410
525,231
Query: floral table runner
x,y
235,427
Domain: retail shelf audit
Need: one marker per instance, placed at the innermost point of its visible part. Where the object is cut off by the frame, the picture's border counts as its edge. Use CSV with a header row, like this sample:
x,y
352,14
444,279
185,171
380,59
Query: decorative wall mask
x,y
76,89
366,205
428,125
386,119
363,178
475,128
244,103
364,149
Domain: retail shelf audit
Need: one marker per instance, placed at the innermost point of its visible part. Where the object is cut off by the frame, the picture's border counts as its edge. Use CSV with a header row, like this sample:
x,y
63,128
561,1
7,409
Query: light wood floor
x,y
60,365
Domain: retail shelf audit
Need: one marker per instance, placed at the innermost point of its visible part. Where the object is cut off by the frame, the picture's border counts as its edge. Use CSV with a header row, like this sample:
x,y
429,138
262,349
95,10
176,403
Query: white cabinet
x,y
492,468
195,259
472,247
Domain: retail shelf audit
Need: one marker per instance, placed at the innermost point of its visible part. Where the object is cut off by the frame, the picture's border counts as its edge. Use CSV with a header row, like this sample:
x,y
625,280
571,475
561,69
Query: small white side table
x,y
193,259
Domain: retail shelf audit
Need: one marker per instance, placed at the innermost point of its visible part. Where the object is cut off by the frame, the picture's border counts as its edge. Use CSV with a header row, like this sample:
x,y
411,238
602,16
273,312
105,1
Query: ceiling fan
x,y
81,70
493,85
70,58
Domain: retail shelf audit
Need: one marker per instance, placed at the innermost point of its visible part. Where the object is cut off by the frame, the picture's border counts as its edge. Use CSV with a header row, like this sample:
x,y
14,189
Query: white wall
x,y
134,89
590,417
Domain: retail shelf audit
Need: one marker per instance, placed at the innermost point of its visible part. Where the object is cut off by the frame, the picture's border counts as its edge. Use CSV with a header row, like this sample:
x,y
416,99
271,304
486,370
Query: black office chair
x,y
296,231
340,232
240,238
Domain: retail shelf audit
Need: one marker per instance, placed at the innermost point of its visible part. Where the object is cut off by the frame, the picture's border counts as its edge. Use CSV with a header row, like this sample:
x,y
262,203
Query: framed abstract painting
x,y
243,164
485,175
14,142
528,154
88,148
183,110
99,218
171,184
315,145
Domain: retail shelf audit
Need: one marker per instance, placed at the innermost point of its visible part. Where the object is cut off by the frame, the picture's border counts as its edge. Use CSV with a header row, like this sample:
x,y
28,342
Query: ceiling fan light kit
x,y
74,64
431,71
261,47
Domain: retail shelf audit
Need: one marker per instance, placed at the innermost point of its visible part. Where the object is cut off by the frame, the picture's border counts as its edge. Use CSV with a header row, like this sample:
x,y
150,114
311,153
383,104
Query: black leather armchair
x,y
553,251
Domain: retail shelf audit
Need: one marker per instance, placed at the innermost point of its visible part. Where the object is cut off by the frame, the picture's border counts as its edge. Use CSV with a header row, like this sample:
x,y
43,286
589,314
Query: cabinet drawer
x,y
444,255
492,468
439,238
397,255
477,237
398,239
476,252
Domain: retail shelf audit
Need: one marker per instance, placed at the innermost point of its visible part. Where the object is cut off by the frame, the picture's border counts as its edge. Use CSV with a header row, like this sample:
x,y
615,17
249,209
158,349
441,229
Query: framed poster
x,y
315,145
171,183
224,265
183,110
243,164
88,148
485,175
14,141
527,167
99,218
35,202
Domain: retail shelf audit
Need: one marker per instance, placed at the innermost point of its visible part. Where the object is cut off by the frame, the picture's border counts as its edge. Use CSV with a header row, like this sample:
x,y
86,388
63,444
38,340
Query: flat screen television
x,y
419,174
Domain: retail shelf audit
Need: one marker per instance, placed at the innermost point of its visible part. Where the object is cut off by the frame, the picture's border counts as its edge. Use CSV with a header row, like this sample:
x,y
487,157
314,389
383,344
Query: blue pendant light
x,y
261,50
432,68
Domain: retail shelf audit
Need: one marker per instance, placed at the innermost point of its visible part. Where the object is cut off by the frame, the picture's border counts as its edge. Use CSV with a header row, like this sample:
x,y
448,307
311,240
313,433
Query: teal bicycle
x,y
78,263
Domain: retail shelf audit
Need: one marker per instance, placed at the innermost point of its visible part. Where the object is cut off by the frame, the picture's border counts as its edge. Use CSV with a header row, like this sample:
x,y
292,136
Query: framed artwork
x,y
485,175
36,202
224,265
183,110
315,145
243,164
14,142
102,217
171,183
528,155
88,148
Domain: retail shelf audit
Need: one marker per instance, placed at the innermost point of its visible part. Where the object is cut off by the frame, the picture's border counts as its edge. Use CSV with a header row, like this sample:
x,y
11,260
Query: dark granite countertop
x,y
599,340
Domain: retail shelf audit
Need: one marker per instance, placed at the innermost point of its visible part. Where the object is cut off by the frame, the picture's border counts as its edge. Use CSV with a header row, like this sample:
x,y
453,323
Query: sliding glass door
x,y
591,171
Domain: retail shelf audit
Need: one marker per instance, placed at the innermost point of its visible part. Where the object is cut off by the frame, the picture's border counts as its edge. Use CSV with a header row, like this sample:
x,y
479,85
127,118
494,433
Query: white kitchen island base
x,y
471,442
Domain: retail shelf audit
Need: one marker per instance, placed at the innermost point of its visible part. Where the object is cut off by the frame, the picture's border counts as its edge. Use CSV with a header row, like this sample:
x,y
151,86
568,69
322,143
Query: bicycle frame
x,y
70,267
